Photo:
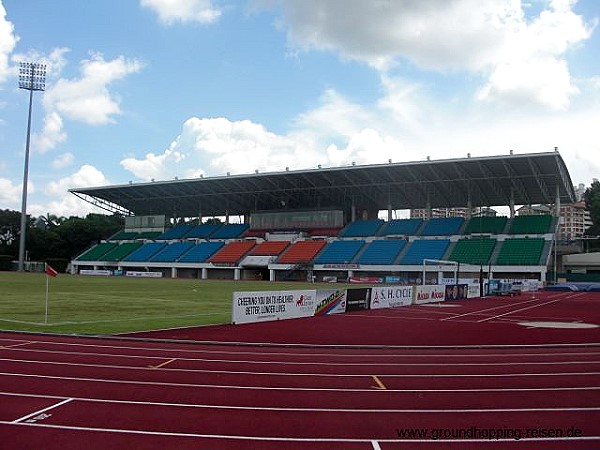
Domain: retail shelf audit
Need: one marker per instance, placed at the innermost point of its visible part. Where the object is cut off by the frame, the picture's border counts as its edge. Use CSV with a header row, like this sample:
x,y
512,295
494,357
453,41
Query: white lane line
x,y
33,414
300,375
287,388
295,409
487,309
288,439
289,354
375,445
518,310
380,347
297,363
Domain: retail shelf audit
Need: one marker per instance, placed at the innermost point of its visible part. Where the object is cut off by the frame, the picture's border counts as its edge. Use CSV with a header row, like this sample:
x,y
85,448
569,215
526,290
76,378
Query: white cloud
x,y
64,160
491,38
10,194
172,11
51,135
8,41
155,166
530,68
403,125
220,145
88,99
64,203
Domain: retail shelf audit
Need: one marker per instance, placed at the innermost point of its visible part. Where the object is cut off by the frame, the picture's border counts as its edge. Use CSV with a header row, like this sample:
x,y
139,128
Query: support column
x,y
173,272
511,204
236,274
271,274
204,273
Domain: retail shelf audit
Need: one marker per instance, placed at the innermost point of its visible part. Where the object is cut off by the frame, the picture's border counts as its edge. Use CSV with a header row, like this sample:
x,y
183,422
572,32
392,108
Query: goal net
x,y
439,265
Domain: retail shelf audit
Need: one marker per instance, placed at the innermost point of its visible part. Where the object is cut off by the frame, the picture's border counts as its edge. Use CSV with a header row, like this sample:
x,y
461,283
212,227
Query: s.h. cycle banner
x,y
391,296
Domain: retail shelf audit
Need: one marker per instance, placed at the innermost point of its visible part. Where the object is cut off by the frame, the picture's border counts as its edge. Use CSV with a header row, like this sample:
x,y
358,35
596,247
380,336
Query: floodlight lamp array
x,y
32,76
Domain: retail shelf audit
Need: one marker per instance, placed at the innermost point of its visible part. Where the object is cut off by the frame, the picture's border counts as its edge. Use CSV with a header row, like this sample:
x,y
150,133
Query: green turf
x,y
109,305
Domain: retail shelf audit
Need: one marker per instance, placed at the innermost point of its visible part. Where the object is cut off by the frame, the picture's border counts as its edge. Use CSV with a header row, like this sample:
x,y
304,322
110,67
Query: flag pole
x,y
47,283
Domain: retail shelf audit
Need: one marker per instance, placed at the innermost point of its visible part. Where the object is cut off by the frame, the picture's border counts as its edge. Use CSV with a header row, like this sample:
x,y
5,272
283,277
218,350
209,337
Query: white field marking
x,y
441,305
518,310
16,345
284,439
279,353
479,311
82,322
302,363
363,364
163,364
22,322
295,409
375,445
361,346
33,414
242,372
395,317
272,388
557,324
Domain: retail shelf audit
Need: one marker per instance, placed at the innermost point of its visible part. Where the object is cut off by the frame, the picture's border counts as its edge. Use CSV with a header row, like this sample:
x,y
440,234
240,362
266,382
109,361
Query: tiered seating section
x,y
479,241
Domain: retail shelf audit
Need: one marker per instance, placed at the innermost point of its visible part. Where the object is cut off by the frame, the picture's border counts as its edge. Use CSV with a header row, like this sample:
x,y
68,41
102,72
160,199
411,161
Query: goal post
x,y
440,263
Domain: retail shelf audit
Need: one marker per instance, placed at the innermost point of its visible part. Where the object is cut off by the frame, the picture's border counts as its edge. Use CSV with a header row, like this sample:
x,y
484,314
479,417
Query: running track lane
x,y
86,412
147,395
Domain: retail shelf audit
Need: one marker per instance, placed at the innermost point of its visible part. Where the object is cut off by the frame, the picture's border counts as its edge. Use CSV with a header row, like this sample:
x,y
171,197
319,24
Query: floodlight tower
x,y
32,77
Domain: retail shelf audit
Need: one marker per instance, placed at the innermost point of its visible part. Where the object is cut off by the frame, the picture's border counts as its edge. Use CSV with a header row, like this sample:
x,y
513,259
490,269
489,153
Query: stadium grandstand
x,y
326,223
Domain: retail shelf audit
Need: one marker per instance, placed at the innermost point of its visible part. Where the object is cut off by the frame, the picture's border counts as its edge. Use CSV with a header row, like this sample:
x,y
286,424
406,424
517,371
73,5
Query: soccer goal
x,y
439,265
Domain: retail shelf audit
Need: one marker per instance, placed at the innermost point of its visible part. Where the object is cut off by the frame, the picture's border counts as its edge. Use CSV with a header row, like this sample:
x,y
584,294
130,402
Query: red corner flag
x,y
50,271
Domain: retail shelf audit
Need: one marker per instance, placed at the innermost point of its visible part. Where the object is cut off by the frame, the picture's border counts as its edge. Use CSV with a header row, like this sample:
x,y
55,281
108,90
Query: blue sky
x,y
157,89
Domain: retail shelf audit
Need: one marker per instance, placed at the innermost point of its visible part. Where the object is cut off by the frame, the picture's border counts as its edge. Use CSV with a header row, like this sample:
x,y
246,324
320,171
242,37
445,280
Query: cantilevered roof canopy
x,y
483,181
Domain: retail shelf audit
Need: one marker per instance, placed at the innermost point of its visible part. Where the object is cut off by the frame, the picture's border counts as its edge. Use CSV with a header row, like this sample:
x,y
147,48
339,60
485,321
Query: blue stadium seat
x,y
172,252
382,252
339,252
203,231
230,231
177,232
145,252
444,226
425,249
201,252
404,227
361,228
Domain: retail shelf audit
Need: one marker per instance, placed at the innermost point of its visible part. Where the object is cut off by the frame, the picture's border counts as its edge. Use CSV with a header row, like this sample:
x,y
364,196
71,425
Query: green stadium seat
x,y
521,252
473,251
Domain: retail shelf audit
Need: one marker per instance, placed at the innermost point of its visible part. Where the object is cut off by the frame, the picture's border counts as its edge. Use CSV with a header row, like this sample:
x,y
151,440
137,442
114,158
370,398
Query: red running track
x,y
467,376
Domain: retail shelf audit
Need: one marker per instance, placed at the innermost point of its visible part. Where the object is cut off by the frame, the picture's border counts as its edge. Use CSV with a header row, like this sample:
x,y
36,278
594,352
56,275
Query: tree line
x,y
51,237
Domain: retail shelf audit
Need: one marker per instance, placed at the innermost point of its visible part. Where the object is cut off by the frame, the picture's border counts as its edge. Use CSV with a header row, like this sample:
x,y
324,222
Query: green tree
x,y
592,203
10,229
77,234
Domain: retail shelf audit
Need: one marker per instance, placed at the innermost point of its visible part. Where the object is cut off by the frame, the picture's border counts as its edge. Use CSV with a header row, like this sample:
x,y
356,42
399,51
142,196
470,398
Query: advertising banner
x,y
391,296
456,291
130,273
473,291
358,299
104,273
272,305
330,301
369,280
429,294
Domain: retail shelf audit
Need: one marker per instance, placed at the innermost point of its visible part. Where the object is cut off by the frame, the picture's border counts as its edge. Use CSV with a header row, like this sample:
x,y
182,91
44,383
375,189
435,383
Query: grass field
x,y
108,305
